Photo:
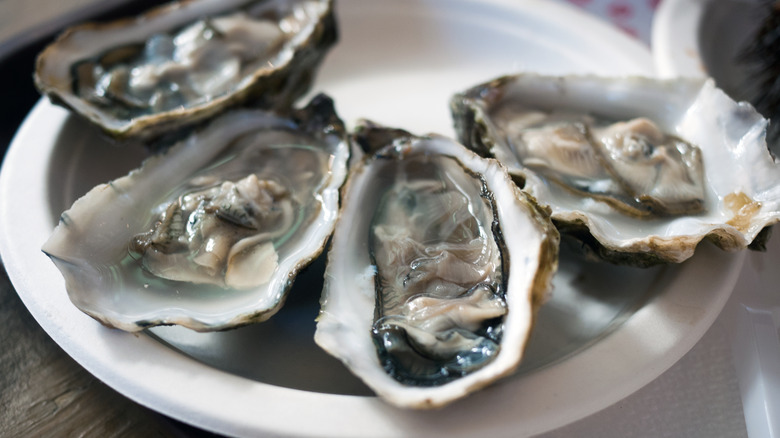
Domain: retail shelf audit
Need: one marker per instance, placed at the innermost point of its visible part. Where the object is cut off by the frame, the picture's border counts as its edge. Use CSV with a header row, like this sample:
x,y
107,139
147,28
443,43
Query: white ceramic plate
x,y
704,38
606,332
24,21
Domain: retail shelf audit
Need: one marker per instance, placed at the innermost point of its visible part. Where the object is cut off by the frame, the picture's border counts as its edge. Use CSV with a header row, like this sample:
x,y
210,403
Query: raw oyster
x,y
182,63
211,233
640,170
436,267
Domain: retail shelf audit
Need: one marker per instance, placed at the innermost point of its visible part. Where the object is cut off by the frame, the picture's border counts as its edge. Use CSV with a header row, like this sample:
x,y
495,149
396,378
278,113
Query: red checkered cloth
x,y
633,16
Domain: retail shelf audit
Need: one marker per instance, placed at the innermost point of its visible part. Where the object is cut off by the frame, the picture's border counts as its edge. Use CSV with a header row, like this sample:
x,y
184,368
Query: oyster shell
x,y
183,63
436,267
210,234
640,170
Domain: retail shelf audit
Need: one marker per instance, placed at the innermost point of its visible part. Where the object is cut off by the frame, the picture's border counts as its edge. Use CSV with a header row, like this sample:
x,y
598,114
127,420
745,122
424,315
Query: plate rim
x,y
237,416
675,38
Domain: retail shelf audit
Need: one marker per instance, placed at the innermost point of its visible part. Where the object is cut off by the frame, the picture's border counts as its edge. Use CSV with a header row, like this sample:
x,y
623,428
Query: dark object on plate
x,y
762,58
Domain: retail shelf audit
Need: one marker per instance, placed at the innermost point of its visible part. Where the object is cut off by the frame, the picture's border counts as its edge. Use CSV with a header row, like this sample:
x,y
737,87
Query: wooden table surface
x,y
43,392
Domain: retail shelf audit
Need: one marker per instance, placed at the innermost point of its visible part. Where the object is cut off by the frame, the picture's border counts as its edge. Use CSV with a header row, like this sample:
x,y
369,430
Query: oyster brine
x,y
183,63
435,269
210,233
639,169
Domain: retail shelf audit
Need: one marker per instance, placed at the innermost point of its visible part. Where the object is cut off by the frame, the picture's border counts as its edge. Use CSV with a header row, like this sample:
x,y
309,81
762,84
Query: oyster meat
x,y
631,165
180,64
640,170
210,233
435,270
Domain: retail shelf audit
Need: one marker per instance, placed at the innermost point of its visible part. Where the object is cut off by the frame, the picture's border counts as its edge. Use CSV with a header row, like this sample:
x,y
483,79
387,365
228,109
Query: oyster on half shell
x,y
640,170
211,233
436,268
180,64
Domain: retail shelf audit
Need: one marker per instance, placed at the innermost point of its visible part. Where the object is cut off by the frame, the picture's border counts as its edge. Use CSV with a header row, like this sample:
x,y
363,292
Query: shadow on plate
x,y
590,300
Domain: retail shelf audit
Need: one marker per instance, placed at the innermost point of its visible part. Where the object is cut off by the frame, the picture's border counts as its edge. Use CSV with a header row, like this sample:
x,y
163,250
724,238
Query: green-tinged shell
x,y
211,233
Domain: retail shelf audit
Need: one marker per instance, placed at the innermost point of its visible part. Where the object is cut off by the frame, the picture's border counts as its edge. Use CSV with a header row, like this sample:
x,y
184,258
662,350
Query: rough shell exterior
x,y
287,76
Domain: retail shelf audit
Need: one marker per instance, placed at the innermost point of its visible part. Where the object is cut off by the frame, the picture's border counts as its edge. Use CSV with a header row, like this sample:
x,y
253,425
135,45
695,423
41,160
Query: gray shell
x,y
93,244
741,178
399,181
305,30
